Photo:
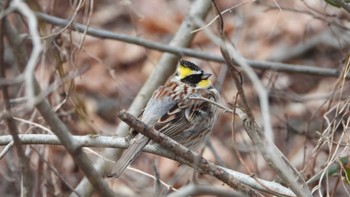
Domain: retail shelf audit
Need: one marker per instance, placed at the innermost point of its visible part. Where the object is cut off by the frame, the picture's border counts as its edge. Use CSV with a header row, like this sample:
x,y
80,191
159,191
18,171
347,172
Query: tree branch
x,y
197,190
263,139
264,65
27,183
120,142
83,141
24,9
57,125
74,149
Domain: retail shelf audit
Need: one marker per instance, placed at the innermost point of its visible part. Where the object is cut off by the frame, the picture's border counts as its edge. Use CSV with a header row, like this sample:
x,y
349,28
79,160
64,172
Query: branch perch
x,y
120,142
188,157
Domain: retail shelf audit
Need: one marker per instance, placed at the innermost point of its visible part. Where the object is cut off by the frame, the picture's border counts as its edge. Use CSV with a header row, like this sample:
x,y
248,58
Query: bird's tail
x,y
129,156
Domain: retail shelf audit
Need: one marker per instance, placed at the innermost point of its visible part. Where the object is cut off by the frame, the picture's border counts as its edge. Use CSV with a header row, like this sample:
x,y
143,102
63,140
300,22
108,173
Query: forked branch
x,y
263,139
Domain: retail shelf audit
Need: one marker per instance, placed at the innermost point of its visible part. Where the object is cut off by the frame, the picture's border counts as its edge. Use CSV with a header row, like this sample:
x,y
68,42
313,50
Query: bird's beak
x,y
206,75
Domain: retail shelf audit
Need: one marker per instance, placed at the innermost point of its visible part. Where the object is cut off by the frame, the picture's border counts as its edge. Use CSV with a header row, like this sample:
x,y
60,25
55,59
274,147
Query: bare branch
x,y
58,126
83,141
264,65
196,190
120,142
263,139
36,51
73,148
27,183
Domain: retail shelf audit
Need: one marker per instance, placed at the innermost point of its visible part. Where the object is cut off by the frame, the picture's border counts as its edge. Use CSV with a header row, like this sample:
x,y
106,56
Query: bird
x,y
172,111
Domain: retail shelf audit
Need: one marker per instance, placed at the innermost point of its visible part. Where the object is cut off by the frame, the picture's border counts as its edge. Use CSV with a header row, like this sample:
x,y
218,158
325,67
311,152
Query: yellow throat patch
x,y
204,83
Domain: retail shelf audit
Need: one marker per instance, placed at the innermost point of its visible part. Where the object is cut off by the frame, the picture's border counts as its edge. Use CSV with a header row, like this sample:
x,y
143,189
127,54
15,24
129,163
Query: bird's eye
x,y
192,79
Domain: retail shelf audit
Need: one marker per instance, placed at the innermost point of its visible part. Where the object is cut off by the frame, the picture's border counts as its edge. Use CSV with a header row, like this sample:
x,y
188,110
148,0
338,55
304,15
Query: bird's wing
x,y
173,122
180,118
149,115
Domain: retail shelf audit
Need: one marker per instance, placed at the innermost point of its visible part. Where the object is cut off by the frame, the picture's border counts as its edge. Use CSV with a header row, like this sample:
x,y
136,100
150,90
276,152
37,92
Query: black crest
x,y
190,65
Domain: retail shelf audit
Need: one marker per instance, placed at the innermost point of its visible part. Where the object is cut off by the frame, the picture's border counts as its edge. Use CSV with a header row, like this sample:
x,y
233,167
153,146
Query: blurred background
x,y
310,112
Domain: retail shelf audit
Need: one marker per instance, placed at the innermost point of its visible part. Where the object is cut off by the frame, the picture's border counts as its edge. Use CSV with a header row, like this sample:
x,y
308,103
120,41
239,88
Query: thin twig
x,y
54,170
238,111
222,13
52,87
226,109
73,147
69,22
